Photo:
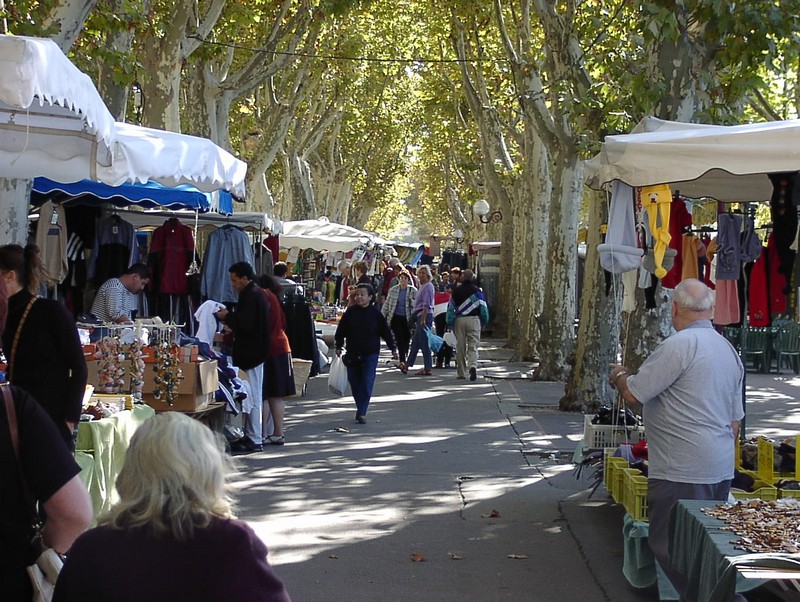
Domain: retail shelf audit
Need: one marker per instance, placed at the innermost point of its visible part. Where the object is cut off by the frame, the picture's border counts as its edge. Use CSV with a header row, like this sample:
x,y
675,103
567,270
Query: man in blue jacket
x,y
466,314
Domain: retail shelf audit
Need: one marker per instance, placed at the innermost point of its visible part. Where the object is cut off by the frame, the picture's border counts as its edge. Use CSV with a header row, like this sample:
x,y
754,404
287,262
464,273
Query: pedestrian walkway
x,y
452,491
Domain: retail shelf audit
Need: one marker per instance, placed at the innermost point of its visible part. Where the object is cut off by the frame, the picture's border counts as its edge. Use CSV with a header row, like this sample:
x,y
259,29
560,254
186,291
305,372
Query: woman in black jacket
x,y
362,326
41,342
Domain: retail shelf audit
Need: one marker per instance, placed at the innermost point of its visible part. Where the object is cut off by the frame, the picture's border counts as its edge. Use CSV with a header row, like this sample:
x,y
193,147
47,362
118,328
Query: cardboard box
x,y
93,367
195,389
198,377
182,403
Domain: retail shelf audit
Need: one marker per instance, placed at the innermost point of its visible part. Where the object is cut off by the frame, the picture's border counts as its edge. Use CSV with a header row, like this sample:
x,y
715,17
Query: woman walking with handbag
x,y
362,326
423,317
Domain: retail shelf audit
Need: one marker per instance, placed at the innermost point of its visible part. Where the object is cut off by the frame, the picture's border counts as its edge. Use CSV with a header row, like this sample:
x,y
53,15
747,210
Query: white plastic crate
x,y
598,436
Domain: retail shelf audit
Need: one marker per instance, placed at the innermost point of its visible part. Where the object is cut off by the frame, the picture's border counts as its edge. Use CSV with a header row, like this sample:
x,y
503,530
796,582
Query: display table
x,y
100,452
702,551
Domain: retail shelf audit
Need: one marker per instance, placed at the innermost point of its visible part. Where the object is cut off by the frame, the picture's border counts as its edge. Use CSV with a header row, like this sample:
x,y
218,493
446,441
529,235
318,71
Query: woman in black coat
x,y
41,343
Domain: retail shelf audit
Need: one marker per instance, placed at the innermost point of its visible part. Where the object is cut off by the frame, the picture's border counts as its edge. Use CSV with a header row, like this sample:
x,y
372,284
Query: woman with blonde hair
x,y
172,535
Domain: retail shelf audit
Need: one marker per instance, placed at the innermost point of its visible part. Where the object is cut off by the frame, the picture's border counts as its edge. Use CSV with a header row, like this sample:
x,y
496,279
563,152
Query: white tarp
x,y
727,163
322,235
53,122
171,159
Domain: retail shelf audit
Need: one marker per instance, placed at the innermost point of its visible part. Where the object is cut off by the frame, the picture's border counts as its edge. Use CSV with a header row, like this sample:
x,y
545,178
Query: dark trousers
x,y
445,354
402,335
661,497
361,377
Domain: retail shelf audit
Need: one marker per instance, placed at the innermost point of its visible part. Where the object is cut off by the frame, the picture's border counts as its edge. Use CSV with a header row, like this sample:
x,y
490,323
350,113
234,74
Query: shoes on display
x,y
276,440
361,419
473,374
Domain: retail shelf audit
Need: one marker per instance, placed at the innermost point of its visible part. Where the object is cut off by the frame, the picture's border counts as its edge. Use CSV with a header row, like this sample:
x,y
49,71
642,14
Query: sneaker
x,y
473,374
273,440
361,419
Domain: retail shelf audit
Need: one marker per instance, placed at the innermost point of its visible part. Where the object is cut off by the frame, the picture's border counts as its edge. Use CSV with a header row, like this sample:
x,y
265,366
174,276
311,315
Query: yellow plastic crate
x,y
789,493
619,483
763,491
610,471
635,496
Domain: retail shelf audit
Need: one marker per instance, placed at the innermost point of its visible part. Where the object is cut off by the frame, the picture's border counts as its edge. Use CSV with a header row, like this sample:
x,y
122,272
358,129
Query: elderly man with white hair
x,y
690,390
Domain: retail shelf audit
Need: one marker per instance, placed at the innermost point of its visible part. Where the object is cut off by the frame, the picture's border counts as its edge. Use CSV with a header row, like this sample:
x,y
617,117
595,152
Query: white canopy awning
x,y
53,122
727,163
322,235
171,159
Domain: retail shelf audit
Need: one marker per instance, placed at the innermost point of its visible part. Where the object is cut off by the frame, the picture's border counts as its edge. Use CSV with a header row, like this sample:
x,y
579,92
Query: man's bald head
x,y
692,301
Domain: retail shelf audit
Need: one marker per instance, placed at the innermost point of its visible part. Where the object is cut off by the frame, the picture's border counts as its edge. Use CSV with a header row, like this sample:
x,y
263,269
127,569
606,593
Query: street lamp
x,y
482,210
458,236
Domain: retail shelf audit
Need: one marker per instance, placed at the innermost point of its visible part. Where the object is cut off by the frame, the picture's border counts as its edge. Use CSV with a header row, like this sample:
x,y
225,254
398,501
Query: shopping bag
x,y
435,342
337,378
450,338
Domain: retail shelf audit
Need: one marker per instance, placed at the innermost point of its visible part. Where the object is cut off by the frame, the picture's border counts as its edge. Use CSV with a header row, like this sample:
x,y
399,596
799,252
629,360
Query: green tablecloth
x,y
703,552
100,452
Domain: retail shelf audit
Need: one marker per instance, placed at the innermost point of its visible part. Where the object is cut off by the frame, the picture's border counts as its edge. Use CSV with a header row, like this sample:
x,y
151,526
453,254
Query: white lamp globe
x,y
480,208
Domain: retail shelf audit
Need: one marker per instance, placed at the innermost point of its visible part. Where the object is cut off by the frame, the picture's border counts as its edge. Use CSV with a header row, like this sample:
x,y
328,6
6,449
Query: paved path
x,y
474,480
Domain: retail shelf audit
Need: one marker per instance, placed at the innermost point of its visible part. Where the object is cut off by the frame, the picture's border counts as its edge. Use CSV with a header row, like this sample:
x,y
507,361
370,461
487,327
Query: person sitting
x,y
116,298
172,536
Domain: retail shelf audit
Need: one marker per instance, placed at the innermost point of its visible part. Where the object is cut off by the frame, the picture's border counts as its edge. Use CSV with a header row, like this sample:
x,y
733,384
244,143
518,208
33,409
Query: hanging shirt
x,y
51,238
728,247
679,219
225,246
171,253
115,249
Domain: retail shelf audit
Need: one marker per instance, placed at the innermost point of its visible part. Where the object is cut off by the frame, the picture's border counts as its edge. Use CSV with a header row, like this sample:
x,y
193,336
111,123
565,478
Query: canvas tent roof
x,y
172,159
727,163
322,235
53,121
149,195
54,124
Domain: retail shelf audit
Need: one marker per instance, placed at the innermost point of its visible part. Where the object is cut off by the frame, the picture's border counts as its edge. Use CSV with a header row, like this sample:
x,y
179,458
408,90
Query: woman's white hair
x,y
174,480
424,268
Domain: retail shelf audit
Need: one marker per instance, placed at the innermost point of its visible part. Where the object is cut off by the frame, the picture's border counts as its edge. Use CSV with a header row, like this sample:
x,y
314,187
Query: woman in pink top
x,y
423,319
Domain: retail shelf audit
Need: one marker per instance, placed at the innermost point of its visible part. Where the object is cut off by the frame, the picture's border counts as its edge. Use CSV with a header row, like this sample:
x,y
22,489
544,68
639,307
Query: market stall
x,y
671,169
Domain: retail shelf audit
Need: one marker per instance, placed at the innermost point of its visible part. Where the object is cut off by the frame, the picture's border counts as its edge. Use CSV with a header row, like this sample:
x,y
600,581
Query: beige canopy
x,y
727,163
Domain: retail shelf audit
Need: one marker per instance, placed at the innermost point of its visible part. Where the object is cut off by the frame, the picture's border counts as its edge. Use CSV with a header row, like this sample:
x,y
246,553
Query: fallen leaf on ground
x,y
417,557
333,557
517,556
455,556
341,429
492,514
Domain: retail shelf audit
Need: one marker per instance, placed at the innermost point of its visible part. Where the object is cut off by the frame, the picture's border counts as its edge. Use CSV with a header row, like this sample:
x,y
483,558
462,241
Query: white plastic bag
x,y
450,338
337,378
